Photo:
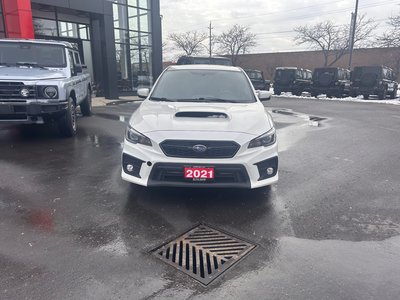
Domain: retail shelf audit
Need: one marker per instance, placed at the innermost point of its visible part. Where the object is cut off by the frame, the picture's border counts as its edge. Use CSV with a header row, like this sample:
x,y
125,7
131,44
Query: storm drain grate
x,y
204,253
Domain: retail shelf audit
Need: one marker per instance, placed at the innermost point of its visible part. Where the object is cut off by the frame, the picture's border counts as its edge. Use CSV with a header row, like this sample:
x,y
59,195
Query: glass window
x,y
76,58
121,35
123,79
45,27
43,11
35,54
134,38
84,32
132,2
120,16
67,29
145,39
144,4
133,18
133,44
144,20
191,85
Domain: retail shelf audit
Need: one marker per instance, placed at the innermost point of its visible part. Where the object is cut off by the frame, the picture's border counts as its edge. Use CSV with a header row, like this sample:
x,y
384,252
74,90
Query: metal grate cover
x,y
204,253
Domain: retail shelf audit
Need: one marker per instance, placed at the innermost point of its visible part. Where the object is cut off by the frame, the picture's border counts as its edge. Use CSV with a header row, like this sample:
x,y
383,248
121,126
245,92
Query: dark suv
x,y
374,80
333,82
258,80
294,80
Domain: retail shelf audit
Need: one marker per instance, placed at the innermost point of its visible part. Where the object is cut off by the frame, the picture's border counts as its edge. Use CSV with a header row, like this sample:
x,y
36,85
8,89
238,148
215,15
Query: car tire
x,y
86,105
366,96
277,93
67,123
393,95
382,95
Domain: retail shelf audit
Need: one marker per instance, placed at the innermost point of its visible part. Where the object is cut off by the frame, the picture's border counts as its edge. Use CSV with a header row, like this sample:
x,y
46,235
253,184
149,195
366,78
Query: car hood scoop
x,y
216,117
201,114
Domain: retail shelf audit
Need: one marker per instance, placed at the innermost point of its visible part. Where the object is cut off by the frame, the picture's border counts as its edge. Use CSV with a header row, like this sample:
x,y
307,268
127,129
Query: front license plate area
x,y
199,173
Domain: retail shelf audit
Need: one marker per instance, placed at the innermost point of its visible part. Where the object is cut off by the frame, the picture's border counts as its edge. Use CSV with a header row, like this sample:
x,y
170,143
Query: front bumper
x,y
247,169
328,90
30,111
367,90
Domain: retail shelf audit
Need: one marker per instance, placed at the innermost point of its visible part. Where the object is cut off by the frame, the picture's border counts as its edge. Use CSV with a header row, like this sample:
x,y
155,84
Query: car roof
x,y
40,41
205,67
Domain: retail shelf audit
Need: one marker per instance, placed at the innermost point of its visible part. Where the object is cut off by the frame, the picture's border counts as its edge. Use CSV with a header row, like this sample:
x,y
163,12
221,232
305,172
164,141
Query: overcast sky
x,y
271,20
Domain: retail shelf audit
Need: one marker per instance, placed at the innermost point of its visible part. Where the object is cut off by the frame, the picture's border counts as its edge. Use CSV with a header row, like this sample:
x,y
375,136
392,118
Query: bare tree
x,y
334,40
237,40
190,42
391,38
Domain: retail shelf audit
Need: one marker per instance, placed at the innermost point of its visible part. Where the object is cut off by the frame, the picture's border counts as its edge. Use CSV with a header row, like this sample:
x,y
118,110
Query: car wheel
x,y
86,105
366,96
393,95
382,95
277,93
67,123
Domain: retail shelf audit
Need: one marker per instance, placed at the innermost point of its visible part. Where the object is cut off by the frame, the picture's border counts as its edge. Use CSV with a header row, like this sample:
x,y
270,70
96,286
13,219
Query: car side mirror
x,y
264,95
143,93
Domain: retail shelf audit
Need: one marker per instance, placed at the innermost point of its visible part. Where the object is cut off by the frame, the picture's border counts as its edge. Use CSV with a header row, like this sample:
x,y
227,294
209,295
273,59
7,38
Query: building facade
x,y
119,40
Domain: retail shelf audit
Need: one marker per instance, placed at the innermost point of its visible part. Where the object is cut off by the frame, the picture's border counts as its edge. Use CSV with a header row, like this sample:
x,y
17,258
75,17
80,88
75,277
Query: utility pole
x,y
353,33
210,28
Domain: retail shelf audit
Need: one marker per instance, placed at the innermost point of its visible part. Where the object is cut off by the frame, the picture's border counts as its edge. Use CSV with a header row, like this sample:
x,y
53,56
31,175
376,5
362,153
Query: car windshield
x,y
30,54
203,86
254,75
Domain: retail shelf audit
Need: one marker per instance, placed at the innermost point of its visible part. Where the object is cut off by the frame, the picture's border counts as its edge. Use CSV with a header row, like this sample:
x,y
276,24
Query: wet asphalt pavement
x,y
70,228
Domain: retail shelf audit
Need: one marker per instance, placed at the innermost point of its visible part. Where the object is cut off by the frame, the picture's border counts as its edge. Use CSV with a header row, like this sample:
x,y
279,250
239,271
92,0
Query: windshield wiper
x,y
162,99
30,64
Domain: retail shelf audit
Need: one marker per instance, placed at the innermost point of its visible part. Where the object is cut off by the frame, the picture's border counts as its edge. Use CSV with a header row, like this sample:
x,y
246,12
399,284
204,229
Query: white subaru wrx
x,y
201,126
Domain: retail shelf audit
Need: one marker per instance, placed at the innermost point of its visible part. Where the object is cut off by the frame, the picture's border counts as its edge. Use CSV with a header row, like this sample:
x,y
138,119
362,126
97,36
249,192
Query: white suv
x,y
42,81
201,126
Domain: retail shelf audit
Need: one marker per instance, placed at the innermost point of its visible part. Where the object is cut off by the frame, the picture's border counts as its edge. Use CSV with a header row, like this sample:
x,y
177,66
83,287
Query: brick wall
x,y
267,62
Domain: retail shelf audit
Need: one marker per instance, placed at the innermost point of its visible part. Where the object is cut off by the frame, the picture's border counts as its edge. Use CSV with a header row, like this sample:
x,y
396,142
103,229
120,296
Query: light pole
x,y
353,29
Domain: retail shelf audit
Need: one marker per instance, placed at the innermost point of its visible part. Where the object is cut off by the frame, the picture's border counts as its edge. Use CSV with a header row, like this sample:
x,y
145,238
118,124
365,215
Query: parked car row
x,y
337,82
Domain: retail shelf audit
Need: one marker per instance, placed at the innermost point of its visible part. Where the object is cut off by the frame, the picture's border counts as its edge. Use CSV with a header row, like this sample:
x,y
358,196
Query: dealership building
x,y
119,40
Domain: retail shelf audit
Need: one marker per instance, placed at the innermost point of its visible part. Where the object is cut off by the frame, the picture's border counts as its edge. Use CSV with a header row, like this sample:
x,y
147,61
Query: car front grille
x,y
210,149
12,91
172,174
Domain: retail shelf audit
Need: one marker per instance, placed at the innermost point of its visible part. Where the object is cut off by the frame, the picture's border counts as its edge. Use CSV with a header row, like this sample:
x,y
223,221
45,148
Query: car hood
x,y
251,118
23,73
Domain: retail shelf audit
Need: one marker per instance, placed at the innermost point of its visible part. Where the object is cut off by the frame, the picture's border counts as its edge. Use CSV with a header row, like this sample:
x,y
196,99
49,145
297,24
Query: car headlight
x,y
267,139
136,137
48,92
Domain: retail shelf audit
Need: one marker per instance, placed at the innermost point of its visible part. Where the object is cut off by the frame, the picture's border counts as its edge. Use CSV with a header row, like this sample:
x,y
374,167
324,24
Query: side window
x,y
71,63
77,59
